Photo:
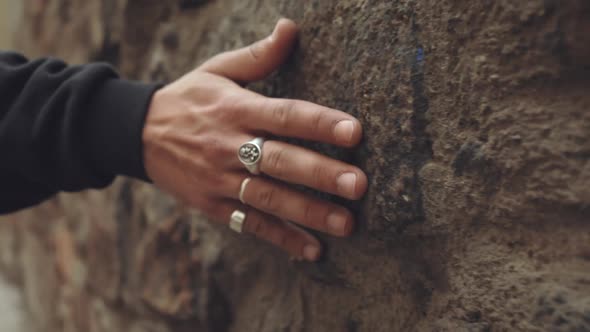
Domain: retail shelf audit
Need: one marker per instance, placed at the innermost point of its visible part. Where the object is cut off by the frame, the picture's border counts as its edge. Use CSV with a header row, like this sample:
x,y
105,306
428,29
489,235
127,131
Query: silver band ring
x,y
236,221
250,154
243,189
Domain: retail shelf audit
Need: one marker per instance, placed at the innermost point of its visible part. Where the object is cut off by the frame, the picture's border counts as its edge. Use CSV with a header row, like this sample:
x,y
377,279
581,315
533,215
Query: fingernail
x,y
337,222
346,184
311,252
343,131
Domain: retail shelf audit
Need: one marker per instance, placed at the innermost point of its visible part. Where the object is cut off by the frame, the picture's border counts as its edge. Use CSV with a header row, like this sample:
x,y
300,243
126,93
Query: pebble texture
x,y
477,146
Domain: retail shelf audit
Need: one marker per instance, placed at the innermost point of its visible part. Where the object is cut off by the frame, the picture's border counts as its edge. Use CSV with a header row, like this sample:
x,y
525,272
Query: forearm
x,y
65,128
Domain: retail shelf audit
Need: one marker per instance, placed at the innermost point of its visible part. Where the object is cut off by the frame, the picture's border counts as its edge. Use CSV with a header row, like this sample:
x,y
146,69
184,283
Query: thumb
x,y
258,60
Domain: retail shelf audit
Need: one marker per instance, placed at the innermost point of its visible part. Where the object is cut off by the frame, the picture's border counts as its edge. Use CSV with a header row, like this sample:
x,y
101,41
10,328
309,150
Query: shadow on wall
x,y
9,13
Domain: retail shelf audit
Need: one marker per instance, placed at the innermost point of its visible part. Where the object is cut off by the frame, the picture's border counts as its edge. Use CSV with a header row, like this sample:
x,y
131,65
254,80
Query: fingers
x,y
297,165
292,205
301,119
292,239
285,203
258,60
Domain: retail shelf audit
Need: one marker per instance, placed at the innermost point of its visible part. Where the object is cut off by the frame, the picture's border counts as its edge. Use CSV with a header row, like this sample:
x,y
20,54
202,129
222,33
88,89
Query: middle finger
x,y
298,165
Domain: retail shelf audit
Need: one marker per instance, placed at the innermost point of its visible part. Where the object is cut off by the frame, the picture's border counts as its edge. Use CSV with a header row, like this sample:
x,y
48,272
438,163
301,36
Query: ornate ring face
x,y
249,153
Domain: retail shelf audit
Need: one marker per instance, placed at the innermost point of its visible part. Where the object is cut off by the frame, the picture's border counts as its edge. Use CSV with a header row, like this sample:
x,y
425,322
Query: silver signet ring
x,y
250,154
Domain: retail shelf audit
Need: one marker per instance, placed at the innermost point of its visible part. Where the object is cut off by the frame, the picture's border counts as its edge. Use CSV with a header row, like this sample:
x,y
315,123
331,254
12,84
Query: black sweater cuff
x,y
114,127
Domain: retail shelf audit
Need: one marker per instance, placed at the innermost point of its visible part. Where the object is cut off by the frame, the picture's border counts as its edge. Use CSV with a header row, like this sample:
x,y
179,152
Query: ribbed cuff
x,y
114,127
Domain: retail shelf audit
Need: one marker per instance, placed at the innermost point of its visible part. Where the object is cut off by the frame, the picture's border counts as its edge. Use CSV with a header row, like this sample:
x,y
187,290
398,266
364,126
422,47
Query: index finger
x,y
302,119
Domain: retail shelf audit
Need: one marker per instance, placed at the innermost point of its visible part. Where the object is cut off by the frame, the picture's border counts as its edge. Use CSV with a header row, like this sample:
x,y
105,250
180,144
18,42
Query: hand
x,y
196,124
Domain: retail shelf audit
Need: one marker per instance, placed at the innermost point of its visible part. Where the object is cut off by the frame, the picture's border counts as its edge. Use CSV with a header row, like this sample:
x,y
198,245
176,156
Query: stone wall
x,y
10,11
477,147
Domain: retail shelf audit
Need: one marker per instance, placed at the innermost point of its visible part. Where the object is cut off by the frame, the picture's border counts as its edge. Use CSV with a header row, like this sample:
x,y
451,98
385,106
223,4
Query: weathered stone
x,y
477,146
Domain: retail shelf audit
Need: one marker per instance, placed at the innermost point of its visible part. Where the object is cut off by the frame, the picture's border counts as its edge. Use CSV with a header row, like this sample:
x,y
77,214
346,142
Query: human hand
x,y
196,124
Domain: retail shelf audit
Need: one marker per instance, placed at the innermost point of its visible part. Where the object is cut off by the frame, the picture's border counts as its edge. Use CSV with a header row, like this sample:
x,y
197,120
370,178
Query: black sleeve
x,y
66,128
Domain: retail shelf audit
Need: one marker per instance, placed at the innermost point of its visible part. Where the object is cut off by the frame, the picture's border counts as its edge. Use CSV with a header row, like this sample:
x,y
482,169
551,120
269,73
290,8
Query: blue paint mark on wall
x,y
420,54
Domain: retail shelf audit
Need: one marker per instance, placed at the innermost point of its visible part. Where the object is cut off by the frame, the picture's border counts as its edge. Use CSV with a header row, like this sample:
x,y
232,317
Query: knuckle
x,y
276,161
256,227
317,120
282,113
318,175
267,198
254,51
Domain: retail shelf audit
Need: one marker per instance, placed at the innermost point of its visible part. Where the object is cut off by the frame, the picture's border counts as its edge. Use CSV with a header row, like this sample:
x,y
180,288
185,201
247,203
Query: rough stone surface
x,y
477,145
